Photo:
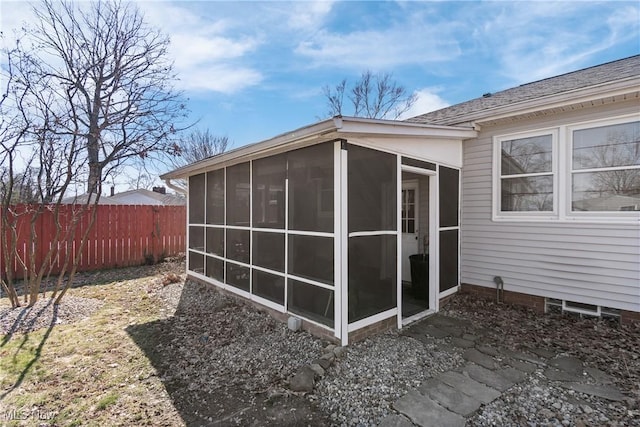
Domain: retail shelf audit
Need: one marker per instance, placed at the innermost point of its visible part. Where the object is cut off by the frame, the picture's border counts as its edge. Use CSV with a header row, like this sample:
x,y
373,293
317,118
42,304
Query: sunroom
x,y
320,223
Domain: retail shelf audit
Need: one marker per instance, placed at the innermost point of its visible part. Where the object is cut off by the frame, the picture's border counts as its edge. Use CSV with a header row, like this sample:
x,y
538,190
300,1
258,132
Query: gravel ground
x,y
376,372
44,314
225,363
359,389
600,344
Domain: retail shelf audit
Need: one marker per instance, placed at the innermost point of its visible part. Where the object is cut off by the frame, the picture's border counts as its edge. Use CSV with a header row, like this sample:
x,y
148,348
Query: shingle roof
x,y
608,72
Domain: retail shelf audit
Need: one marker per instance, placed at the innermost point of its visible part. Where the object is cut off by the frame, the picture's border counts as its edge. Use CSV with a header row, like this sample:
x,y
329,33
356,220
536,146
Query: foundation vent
x,y
557,306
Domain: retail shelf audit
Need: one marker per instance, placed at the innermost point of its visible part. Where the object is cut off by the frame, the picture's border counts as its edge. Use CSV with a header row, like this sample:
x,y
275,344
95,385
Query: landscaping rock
x,y
329,348
303,380
339,351
324,363
328,356
317,369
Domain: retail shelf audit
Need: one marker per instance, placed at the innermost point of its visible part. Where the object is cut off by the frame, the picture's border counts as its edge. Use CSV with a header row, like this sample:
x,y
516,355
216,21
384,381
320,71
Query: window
x,y
605,168
408,220
582,171
526,174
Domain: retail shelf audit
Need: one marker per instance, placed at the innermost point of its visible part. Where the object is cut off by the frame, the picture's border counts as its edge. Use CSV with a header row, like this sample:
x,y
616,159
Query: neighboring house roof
x,y
146,197
550,89
132,197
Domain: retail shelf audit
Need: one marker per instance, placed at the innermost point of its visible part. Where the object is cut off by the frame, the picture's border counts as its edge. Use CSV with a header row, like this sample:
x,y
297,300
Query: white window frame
x,y
595,216
499,215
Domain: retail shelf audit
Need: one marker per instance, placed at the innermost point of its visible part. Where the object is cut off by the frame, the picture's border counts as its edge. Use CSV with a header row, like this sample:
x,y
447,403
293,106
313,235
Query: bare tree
x,y
89,88
372,96
116,79
142,179
198,145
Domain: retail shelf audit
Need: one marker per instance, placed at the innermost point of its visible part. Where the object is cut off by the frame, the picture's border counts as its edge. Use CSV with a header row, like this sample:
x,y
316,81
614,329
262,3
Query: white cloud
x,y
220,78
308,15
380,49
536,40
206,57
427,100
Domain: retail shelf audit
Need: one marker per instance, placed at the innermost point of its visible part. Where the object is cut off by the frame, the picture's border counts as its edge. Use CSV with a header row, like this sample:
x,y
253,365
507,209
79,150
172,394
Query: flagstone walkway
x,y
452,397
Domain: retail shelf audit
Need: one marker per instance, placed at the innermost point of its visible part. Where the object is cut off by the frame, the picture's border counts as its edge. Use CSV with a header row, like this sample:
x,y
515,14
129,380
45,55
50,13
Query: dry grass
x,y
90,372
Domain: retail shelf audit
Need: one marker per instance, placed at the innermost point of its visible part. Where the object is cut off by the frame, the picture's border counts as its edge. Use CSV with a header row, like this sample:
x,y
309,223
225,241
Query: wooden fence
x,y
123,235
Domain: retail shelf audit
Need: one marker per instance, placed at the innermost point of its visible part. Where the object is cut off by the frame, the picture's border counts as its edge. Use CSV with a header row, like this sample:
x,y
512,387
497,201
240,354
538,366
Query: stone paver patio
x,y
452,397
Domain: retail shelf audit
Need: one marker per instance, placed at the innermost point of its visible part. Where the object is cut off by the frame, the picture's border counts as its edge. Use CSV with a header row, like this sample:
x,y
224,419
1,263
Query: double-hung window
x,y
526,178
588,171
605,168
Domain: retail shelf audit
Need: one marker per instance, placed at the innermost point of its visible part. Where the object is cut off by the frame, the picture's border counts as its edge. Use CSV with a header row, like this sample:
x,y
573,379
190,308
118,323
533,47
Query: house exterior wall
x,y
575,259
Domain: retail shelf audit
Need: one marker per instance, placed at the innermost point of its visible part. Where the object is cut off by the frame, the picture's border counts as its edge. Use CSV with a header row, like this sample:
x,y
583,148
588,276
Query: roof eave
x,y
576,96
334,128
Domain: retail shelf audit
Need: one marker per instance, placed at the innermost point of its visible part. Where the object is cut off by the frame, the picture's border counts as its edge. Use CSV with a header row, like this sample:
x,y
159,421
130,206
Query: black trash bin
x,y
419,275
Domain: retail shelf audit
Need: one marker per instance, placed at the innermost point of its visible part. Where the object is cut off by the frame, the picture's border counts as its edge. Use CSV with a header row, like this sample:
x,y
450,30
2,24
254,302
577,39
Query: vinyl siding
x,y
588,262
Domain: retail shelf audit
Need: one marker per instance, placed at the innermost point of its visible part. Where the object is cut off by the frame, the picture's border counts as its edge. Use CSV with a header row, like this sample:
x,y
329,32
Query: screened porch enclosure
x,y
265,229
314,232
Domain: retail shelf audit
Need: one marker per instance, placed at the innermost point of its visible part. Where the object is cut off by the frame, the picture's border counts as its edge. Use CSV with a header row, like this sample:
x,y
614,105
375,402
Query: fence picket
x,y
122,235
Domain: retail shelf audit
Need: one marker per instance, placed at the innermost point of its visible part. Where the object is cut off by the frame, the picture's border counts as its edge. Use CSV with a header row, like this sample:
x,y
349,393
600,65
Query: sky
x,y
254,70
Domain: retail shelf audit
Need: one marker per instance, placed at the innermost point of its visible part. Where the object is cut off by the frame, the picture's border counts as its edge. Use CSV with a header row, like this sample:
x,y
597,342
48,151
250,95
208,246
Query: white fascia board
x,y
335,128
369,127
577,96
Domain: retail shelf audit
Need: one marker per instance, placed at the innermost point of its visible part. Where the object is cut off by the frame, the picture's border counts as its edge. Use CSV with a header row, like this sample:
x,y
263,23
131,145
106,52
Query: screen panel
x,y
268,250
196,262
268,191
268,286
238,276
215,197
215,241
196,237
311,257
372,275
449,196
312,302
239,245
238,192
310,172
215,268
372,189
196,198
448,259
